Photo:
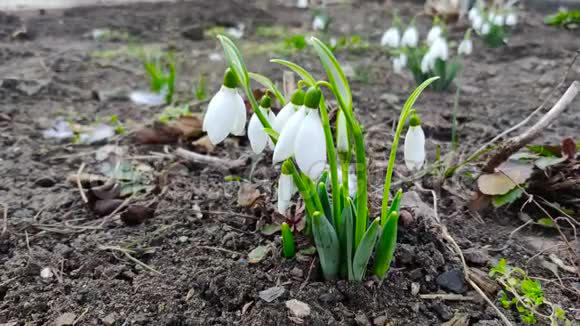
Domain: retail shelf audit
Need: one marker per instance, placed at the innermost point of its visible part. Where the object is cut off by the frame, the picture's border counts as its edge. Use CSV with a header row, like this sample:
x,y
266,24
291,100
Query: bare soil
x,y
199,239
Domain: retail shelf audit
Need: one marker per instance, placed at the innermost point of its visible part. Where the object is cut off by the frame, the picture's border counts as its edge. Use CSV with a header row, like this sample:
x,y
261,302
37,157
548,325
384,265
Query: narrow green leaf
x,y
235,60
298,70
388,243
365,250
395,205
325,201
334,72
346,233
288,245
454,67
264,81
327,246
323,177
413,97
547,222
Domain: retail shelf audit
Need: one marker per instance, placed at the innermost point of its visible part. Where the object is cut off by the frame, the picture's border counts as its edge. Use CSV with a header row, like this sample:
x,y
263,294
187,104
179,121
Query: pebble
x,y
362,320
183,239
380,320
271,294
46,273
298,308
297,273
110,319
415,287
65,319
453,281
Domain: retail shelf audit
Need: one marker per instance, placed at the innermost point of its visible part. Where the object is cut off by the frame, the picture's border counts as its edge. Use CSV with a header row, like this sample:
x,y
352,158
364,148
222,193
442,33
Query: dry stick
x,y
79,185
133,259
516,143
528,118
209,160
446,296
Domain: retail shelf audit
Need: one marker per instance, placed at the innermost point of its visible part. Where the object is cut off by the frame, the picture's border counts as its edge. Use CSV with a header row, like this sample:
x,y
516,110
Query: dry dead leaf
x,y
248,196
184,127
203,145
449,9
508,175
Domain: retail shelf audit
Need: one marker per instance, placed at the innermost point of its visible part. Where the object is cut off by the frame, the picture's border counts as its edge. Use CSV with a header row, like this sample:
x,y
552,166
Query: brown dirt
x,y
205,277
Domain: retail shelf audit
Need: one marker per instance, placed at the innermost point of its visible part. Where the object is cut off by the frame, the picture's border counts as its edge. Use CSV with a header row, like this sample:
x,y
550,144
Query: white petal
x,y
240,116
283,206
285,145
439,49
511,19
258,137
271,117
426,62
498,20
220,115
434,34
283,117
415,148
485,28
465,47
310,146
285,187
410,37
341,133
391,38
476,23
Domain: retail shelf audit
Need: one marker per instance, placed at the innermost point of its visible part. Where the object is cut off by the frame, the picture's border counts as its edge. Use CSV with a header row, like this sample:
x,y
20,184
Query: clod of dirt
x,y
380,320
460,319
105,207
110,319
477,256
453,281
406,217
65,319
443,311
137,214
298,309
45,182
271,294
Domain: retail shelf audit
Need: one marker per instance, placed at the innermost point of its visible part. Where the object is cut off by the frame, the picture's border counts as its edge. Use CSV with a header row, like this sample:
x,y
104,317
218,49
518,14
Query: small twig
x,y
133,259
209,160
79,185
5,219
307,275
446,296
484,296
81,316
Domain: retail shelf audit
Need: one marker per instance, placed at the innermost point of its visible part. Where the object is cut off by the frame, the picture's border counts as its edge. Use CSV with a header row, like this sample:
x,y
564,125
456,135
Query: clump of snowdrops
x,y
492,23
315,161
428,58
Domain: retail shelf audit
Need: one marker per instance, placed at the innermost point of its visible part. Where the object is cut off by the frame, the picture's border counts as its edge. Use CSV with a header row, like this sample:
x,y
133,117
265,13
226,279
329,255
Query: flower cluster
x,y
492,24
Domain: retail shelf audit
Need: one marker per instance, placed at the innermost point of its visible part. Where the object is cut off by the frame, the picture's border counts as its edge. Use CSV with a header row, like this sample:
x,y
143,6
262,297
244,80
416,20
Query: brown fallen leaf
x,y
569,148
508,175
203,145
183,128
249,196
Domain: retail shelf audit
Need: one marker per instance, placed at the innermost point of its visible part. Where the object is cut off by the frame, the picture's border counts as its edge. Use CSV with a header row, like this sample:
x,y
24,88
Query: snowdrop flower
x,y
485,28
473,12
226,112
286,189
285,145
511,19
302,4
477,23
439,49
288,111
435,33
410,37
342,139
310,144
352,185
258,137
391,38
498,20
465,47
414,144
427,62
399,63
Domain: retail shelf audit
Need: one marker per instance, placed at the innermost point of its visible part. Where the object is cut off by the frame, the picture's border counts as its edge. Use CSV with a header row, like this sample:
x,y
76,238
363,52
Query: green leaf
x,y
298,70
327,246
235,60
452,72
507,198
272,133
323,177
346,237
335,74
288,246
546,151
413,97
269,229
395,205
323,195
547,222
365,250
264,81
387,245
545,162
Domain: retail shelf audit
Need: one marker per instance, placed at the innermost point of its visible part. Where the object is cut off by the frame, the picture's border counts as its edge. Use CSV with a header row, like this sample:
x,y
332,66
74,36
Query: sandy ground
x,y
58,4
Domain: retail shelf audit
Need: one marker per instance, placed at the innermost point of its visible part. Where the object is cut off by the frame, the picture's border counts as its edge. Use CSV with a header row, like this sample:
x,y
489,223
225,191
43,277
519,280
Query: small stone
x,y
380,320
297,272
406,218
453,281
298,308
197,211
415,287
361,319
110,319
46,273
45,182
183,239
406,253
271,294
443,311
65,319
193,32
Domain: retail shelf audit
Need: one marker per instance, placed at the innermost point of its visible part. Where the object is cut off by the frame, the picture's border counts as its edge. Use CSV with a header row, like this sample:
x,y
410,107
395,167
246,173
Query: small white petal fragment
x,y
285,145
46,273
286,190
391,38
147,98
310,146
485,28
414,148
410,37
511,19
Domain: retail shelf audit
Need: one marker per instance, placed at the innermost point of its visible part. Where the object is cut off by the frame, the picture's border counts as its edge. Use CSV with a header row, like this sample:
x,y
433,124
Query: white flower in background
x,y
391,38
427,63
399,63
226,112
465,47
286,189
439,49
434,33
477,23
258,137
341,133
320,22
498,20
100,133
352,185
485,28
414,145
288,111
511,19
285,145
410,37
61,129
473,12
310,144
302,4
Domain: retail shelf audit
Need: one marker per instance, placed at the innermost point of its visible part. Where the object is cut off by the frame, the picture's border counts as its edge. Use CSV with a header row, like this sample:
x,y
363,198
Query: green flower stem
x,y
302,189
344,162
258,112
331,162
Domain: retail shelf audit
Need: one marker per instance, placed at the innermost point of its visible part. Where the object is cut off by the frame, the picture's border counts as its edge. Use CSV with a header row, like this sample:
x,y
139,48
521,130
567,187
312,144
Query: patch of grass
x,y
271,31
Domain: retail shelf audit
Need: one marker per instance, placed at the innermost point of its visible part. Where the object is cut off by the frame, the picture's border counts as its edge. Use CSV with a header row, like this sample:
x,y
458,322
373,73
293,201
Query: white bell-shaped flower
x,y
477,23
498,20
414,145
465,47
410,37
226,112
310,144
439,49
511,19
352,182
485,28
434,33
288,111
285,145
258,137
286,189
399,63
473,12
342,139
427,62
391,38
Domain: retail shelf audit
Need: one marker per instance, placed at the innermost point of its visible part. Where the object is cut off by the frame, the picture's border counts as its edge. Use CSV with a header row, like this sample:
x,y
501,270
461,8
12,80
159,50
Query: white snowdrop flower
x,y
319,23
434,33
439,49
258,137
427,62
288,111
399,63
477,23
226,112
341,133
511,19
285,145
310,144
286,189
61,129
465,47
302,4
414,145
410,37
403,59
473,12
391,38
485,28
498,20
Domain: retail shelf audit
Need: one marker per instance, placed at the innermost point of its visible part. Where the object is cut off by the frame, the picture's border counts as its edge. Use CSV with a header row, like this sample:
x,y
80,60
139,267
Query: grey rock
x,y
298,309
362,319
380,320
271,294
453,281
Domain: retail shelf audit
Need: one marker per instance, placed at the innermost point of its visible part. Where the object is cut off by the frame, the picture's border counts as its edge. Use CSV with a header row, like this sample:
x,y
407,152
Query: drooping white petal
x,y
352,182
427,63
341,133
439,49
271,117
415,148
283,117
485,28
258,137
473,12
410,37
511,19
498,20
310,146
434,33
285,145
403,59
465,47
286,187
220,116
239,109
391,38
302,4
477,23
319,23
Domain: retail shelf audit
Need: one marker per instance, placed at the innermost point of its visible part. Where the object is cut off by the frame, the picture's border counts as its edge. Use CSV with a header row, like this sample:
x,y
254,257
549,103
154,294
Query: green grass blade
x,y
298,70
235,60
264,81
395,205
387,245
288,245
327,246
365,250
325,201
